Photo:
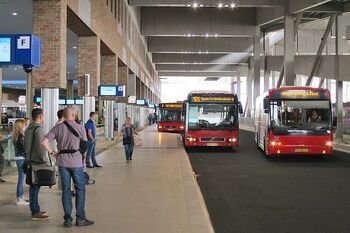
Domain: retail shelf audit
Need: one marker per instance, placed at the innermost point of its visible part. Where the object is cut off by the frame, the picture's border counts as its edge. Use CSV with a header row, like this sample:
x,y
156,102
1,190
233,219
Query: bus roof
x,y
293,92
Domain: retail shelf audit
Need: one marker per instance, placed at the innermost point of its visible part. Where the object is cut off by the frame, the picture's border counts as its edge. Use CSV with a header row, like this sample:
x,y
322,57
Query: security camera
x,y
27,68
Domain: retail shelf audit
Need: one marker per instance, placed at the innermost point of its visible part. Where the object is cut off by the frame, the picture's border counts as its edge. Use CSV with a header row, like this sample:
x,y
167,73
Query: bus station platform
x,y
155,193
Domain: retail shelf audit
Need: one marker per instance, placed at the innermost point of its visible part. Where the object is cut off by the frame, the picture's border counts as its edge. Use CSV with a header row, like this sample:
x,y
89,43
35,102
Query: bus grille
x,y
212,139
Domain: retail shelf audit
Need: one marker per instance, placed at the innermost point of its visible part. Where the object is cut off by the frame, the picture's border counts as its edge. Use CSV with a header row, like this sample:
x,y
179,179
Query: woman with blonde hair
x,y
18,142
26,123
128,132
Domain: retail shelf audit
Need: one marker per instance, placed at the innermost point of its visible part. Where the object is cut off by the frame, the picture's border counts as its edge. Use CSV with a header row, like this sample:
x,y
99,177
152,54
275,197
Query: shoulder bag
x,y
39,174
82,143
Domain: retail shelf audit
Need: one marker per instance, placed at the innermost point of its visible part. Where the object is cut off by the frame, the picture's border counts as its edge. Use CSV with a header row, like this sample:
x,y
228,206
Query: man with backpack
x,y
71,143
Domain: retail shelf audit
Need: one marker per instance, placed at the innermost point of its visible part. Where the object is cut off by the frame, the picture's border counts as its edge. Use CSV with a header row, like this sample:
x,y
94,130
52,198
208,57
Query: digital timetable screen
x,y
5,49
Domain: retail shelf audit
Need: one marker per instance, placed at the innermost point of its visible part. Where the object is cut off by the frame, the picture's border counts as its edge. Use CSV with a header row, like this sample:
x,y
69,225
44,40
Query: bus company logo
x,y
307,93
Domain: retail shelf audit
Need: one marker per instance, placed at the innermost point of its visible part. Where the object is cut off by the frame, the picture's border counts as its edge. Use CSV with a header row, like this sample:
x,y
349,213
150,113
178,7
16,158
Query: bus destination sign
x,y
212,99
300,94
170,105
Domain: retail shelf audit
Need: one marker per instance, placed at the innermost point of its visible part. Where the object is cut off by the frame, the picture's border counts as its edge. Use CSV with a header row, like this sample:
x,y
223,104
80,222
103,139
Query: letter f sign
x,y
23,42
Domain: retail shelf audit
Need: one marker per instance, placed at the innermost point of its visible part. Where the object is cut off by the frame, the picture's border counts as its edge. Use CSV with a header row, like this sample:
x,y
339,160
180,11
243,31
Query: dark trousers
x,y
129,149
2,163
34,199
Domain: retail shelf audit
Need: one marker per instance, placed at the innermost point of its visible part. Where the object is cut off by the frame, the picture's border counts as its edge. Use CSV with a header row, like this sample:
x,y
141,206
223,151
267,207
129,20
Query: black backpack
x,y
82,144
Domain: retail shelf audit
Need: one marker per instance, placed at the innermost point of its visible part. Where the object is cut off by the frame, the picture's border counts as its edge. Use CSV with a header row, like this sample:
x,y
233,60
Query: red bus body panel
x,y
171,126
198,134
313,145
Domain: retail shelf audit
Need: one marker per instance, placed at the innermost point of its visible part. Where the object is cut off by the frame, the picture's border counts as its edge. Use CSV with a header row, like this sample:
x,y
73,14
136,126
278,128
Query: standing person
x,y
18,142
150,116
60,117
70,165
91,136
26,123
2,163
128,132
154,119
35,154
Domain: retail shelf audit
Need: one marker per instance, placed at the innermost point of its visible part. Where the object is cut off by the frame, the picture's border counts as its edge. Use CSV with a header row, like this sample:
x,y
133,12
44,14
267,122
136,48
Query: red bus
x,y
211,119
170,117
294,120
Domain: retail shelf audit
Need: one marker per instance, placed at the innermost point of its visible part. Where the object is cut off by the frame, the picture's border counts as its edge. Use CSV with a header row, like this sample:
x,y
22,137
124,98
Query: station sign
x,y
111,90
300,94
170,105
20,49
142,102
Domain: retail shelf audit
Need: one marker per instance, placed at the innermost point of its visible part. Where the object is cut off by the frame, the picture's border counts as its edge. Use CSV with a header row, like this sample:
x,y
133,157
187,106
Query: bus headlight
x,y
191,139
329,143
232,139
181,127
274,143
160,127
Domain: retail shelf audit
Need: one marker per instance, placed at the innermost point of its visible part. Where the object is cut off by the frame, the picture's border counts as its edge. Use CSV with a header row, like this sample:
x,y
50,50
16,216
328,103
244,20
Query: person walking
x,y
91,143
128,132
2,163
150,116
35,154
70,165
18,143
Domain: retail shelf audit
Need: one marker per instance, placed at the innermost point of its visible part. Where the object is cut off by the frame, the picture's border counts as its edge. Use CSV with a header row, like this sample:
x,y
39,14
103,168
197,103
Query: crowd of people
x,y
34,147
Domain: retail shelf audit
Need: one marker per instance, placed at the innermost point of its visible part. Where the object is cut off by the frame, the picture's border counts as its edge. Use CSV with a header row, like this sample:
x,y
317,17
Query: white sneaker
x,y
22,202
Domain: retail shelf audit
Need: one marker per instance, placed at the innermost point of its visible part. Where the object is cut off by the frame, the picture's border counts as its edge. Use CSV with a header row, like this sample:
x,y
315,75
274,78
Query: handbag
x,y
39,174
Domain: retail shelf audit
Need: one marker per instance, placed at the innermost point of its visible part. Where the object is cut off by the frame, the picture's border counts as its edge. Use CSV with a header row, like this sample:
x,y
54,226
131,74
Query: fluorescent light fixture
x,y
216,35
220,5
14,13
227,5
189,5
195,5
207,35
233,5
74,47
201,5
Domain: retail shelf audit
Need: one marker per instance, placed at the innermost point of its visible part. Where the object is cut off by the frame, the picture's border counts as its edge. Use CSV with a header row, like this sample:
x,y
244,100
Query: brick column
x,y
89,62
50,25
109,70
123,80
138,88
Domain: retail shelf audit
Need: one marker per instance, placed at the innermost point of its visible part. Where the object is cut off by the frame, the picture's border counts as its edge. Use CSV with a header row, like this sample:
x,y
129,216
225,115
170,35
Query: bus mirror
x,y
240,108
266,104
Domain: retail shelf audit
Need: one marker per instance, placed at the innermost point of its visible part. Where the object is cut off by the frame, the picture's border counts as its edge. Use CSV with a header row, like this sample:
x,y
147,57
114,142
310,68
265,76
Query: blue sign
x,y
111,90
142,101
22,49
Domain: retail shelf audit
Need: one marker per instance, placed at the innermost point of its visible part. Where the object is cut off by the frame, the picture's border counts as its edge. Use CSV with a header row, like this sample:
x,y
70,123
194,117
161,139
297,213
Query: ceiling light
x,y
188,35
189,5
14,13
233,5
227,5
68,72
207,35
216,35
220,5
201,5
195,5
74,47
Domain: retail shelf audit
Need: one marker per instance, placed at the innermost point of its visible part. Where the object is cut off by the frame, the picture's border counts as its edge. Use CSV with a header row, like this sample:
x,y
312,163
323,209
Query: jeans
x,y
77,174
129,149
21,177
34,199
91,153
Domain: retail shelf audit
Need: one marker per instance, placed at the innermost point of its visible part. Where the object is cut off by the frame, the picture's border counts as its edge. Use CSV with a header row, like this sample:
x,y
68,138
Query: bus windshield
x,y
212,116
170,115
301,114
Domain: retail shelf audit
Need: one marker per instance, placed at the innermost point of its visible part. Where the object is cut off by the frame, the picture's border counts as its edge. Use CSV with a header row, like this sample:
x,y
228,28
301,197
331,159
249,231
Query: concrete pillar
x,y
123,75
238,84
249,93
50,25
132,82
109,116
50,98
70,89
289,48
142,90
339,86
89,106
89,62
266,72
29,95
273,79
256,64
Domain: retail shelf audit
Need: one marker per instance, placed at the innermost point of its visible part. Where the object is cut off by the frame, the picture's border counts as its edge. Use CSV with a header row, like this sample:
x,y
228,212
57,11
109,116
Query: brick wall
x,y
123,74
89,62
50,24
109,70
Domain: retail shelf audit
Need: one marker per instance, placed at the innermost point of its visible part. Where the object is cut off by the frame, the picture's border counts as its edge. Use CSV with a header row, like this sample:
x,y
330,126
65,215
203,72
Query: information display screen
x,y
5,49
62,102
170,105
70,101
141,102
79,101
107,91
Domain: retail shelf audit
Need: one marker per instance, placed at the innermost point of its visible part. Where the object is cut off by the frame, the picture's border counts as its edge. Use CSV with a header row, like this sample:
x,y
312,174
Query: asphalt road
x,y
247,193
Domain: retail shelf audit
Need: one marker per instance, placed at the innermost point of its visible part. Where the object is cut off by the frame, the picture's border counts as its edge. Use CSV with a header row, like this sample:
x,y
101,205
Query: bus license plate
x,y
301,150
212,144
